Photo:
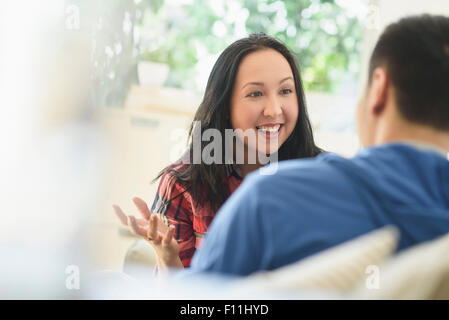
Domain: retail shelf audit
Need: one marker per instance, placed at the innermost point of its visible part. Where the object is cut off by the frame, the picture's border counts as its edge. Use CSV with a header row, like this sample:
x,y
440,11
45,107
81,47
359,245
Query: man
x,y
401,178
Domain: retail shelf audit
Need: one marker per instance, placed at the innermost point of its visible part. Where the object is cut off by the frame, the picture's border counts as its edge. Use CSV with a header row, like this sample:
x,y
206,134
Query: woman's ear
x,y
378,91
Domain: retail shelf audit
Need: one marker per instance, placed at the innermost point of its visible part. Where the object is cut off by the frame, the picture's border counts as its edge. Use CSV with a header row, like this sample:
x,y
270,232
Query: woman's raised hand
x,y
155,231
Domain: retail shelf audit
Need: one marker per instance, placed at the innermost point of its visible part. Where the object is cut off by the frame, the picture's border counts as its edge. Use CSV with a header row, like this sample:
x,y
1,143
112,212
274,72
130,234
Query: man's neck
x,y
418,134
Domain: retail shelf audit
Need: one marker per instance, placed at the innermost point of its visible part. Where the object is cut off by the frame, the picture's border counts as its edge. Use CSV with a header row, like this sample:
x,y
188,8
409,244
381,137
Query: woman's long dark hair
x,y
205,181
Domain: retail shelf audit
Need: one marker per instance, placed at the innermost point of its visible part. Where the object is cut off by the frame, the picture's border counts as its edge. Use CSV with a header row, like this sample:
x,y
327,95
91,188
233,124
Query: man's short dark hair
x,y
415,53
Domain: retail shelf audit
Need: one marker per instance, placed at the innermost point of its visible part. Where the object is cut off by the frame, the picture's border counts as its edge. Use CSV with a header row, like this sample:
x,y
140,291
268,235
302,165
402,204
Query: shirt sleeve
x,y
172,203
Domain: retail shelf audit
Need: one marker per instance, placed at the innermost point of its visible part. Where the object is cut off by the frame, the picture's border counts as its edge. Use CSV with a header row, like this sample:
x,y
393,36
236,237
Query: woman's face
x,y
264,100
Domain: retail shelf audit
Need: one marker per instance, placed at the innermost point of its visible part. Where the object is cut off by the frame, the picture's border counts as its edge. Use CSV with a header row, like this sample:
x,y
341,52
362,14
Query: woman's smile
x,y
269,130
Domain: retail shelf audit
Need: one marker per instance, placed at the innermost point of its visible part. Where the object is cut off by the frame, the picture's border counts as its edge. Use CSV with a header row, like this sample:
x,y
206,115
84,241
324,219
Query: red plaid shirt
x,y
190,221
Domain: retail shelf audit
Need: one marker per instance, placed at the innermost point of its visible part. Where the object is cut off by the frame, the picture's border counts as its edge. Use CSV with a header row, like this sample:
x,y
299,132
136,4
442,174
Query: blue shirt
x,y
313,204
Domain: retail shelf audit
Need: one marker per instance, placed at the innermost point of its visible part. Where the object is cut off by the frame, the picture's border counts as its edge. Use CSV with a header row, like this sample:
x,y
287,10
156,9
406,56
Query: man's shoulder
x,y
320,168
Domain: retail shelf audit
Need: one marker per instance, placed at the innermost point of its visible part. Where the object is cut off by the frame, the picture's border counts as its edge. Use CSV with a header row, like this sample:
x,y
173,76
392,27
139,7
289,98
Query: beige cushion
x,y
338,269
420,272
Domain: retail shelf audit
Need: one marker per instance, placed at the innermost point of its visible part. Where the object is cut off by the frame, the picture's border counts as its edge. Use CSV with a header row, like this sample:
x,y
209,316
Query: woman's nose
x,y
272,109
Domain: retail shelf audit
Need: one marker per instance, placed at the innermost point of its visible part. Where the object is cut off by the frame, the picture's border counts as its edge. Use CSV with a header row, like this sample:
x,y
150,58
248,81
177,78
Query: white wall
x,y
392,10
383,12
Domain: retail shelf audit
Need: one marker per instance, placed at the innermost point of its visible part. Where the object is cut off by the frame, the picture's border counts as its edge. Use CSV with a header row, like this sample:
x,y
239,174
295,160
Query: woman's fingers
x,y
135,228
141,222
142,207
152,228
124,218
138,227
168,236
120,214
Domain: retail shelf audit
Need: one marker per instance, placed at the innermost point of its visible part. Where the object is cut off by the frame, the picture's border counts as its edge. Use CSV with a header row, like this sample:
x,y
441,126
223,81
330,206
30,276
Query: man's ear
x,y
378,91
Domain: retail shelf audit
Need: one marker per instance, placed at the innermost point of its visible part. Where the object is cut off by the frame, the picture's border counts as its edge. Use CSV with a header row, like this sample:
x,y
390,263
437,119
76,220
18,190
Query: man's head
x,y
408,84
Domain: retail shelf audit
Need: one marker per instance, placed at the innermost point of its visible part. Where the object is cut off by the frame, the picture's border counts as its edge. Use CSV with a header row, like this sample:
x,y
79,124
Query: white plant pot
x,y
152,74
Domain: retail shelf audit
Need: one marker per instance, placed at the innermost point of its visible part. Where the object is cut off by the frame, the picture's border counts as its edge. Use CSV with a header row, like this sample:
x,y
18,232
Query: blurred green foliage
x,y
324,38
184,33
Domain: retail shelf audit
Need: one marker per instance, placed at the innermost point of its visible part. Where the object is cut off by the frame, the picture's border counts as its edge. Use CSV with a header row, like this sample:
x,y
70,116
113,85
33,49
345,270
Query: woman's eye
x,y
255,94
286,91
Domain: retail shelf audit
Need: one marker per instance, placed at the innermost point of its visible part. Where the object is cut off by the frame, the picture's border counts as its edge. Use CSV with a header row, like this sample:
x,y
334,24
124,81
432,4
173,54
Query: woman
x,y
254,86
